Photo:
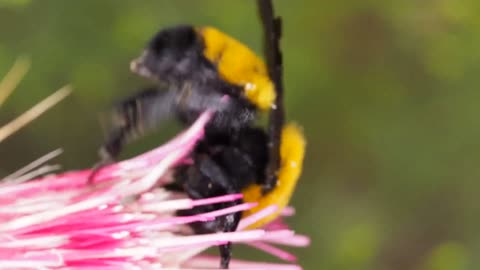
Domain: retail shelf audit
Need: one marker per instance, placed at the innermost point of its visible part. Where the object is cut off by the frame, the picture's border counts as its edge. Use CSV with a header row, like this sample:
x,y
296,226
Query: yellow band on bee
x,y
292,152
239,65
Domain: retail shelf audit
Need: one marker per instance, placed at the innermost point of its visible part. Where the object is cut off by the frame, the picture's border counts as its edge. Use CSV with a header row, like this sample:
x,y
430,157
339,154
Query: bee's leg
x,y
275,126
225,255
132,117
272,32
207,179
276,123
107,153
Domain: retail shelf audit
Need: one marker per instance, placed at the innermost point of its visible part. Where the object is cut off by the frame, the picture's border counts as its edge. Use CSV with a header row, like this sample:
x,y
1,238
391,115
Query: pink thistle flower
x,y
126,220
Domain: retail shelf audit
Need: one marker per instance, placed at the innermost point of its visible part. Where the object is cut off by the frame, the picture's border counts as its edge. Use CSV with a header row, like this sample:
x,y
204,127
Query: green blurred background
x,y
386,91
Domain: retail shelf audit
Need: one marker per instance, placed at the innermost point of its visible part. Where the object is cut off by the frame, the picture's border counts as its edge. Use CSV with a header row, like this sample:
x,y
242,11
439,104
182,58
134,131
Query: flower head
x,y
126,219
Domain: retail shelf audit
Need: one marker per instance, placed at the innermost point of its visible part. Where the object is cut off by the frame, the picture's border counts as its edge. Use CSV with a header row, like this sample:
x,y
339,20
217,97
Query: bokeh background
x,y
387,92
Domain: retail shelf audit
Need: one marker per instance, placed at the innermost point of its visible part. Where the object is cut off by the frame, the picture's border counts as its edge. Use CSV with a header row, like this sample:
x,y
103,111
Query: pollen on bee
x,y
250,86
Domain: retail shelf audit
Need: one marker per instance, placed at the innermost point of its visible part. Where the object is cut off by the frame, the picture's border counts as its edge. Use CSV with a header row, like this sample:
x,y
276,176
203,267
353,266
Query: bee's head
x,y
170,55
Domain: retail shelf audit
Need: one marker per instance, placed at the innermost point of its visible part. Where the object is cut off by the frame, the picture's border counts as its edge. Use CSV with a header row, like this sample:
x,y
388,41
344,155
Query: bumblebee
x,y
198,69
195,68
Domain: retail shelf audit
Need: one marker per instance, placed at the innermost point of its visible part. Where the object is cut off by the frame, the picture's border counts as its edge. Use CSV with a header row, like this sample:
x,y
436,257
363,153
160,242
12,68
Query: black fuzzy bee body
x,y
199,69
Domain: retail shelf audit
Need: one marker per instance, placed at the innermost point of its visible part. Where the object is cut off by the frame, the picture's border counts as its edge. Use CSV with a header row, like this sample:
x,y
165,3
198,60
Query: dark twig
x,y
272,28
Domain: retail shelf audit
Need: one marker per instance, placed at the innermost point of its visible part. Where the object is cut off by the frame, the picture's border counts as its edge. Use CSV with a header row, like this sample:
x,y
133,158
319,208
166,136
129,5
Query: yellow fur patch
x,y
239,65
292,151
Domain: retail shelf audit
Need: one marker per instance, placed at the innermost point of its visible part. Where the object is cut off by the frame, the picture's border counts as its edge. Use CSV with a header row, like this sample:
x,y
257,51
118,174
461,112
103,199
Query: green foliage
x,y
447,256
356,247
14,3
